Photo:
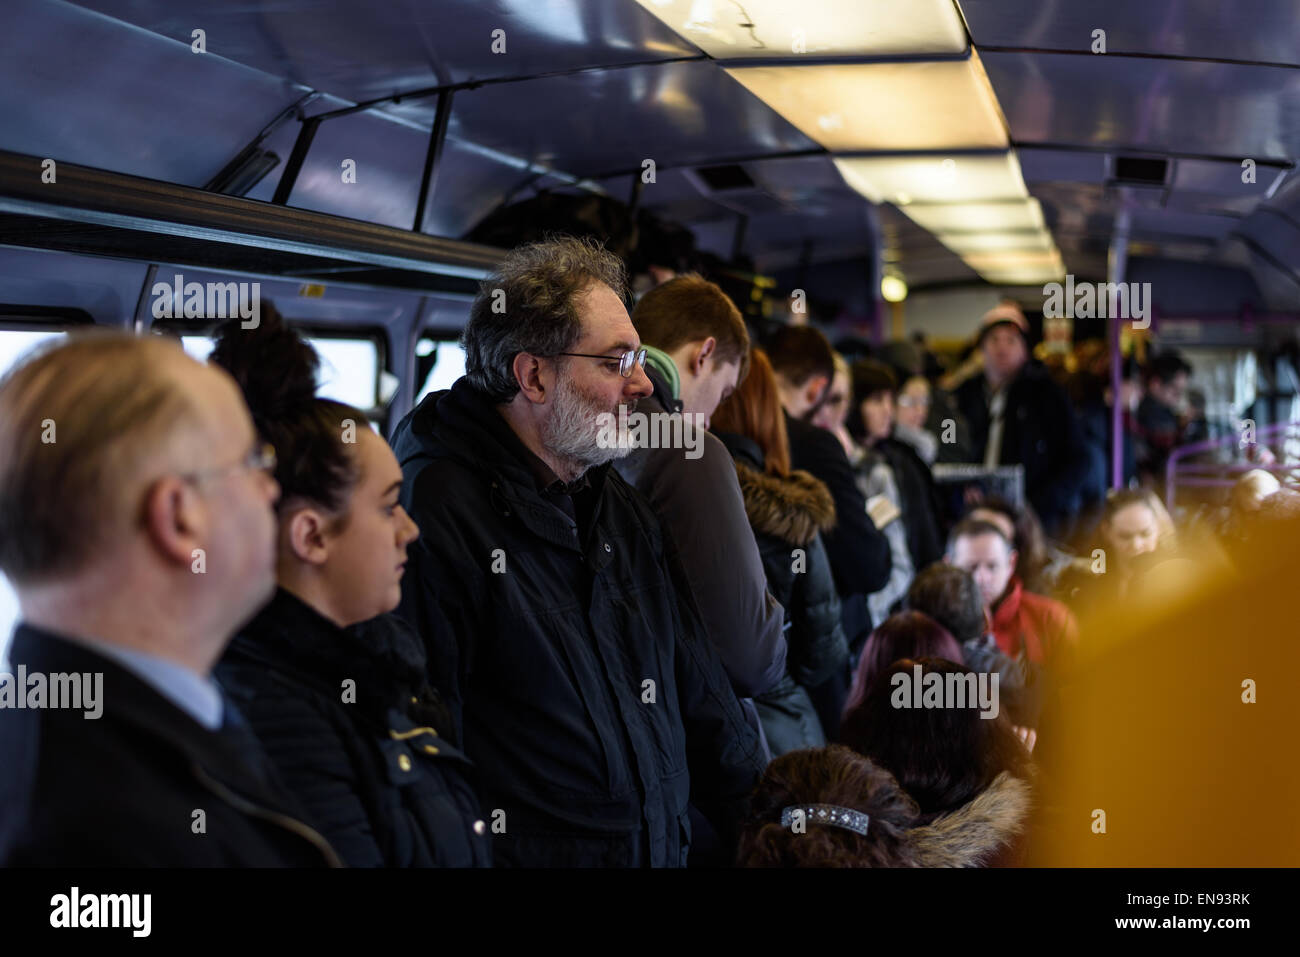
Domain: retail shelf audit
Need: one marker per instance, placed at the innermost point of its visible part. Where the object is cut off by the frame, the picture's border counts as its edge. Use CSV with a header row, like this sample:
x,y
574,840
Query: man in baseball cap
x,y
1018,415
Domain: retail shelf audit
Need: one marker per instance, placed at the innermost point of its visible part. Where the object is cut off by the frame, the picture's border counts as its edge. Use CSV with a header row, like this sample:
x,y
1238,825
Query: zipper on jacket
x,y
274,817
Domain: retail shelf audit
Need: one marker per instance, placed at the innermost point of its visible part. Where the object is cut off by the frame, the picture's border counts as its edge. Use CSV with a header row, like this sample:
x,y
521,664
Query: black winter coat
x,y
1040,432
121,790
919,501
789,514
366,762
593,703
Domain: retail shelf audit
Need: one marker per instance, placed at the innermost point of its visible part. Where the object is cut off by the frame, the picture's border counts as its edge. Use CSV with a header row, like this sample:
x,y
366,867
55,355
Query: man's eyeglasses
x,y
626,362
260,459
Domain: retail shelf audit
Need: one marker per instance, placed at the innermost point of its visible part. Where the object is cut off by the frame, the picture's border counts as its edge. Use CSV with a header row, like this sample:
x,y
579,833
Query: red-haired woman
x,y
787,511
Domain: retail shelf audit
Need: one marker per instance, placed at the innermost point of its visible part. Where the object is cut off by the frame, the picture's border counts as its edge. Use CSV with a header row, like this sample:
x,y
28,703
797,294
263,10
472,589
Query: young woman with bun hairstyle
x,y
335,689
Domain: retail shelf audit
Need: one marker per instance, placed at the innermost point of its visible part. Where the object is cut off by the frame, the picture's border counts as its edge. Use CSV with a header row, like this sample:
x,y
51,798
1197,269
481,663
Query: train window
x,y
15,344
349,367
440,362
8,619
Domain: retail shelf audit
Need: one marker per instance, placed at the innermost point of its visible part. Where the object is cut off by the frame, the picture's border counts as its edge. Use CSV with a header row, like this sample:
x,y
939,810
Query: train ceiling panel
x,y
363,51
80,87
676,114
1262,31
1198,108
585,92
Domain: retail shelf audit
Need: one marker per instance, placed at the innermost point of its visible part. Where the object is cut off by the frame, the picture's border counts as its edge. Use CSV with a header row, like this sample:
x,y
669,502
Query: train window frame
x,y
377,334
47,319
438,335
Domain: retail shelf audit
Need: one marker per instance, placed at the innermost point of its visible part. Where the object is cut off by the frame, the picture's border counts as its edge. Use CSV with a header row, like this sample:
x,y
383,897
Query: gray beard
x,y
570,432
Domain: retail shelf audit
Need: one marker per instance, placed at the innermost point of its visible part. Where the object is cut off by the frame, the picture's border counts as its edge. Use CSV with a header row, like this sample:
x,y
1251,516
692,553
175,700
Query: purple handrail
x,y
1183,451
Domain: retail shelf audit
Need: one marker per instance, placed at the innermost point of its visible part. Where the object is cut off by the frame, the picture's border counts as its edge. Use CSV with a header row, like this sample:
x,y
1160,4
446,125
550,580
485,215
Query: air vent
x,y
721,178
1140,171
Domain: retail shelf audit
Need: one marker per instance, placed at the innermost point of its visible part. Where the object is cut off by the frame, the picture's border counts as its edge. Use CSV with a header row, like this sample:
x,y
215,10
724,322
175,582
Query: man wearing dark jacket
x,y
1018,415
697,351
136,527
859,553
588,693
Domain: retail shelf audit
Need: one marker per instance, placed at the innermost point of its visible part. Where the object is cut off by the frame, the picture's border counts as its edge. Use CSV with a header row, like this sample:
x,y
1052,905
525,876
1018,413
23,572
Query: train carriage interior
x,y
1120,176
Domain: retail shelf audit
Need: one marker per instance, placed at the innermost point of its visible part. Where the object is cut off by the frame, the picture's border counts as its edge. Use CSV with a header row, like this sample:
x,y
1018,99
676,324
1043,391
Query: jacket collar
x,y
291,636
662,371
977,831
794,508
1009,606
131,701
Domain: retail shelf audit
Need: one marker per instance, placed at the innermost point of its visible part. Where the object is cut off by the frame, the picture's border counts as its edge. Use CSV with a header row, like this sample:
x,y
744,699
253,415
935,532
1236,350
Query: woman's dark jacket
x,y
787,516
357,734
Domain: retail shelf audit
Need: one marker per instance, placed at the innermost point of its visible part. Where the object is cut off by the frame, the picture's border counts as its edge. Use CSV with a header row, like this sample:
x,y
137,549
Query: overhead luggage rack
x,y
99,212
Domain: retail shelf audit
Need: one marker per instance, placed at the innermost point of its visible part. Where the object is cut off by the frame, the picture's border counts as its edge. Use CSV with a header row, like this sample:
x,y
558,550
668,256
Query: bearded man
x,y
579,675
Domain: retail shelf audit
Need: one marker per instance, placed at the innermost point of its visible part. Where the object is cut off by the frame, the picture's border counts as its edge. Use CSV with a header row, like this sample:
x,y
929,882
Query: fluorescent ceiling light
x,y
1021,268
927,105
977,217
962,243
1007,260
934,179
1024,276
781,28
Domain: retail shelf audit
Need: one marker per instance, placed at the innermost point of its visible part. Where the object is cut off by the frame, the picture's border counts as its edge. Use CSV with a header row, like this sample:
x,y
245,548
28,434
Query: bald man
x,y
136,528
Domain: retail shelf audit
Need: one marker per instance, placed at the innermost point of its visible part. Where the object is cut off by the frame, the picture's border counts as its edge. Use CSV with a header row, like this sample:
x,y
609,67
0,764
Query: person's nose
x,y
410,531
271,488
638,384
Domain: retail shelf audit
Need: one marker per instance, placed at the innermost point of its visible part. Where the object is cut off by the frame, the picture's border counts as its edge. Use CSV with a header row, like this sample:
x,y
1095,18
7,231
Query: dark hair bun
x,y
274,367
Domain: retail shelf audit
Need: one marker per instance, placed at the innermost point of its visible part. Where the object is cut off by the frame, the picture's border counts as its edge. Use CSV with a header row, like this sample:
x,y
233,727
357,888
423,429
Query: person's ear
x,y
1012,560
703,351
175,519
307,535
535,375
815,388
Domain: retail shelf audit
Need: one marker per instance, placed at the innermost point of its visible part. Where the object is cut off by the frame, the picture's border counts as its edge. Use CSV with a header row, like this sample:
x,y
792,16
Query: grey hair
x,y
528,305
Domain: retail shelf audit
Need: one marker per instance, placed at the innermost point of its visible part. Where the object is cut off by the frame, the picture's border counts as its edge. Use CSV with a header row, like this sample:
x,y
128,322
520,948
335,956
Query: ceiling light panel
x,y
779,28
897,107
1027,241
902,180
977,217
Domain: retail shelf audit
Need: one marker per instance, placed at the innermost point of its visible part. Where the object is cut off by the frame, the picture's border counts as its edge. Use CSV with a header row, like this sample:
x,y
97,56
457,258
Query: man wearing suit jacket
x,y
136,528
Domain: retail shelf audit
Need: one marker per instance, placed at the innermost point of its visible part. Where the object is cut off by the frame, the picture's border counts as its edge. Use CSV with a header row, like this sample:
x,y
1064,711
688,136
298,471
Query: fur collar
x,y
973,834
794,509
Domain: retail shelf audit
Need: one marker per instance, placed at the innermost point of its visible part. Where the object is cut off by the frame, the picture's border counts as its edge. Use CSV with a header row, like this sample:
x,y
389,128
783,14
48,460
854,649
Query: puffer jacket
x,y
591,700
788,516
369,761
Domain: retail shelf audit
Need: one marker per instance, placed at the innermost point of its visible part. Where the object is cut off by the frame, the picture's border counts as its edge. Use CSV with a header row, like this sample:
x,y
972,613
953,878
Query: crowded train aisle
x,y
696,435
634,591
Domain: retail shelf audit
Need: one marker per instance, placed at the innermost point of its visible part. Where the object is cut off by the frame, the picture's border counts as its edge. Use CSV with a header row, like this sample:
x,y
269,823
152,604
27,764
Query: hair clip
x,y
831,814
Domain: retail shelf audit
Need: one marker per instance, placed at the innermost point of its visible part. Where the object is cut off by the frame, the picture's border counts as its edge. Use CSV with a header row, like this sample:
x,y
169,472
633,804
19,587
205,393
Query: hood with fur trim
x,y
792,509
976,833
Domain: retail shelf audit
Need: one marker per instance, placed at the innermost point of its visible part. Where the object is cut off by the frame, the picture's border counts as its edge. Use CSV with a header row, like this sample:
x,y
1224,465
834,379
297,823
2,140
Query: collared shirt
x,y
572,498
197,696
